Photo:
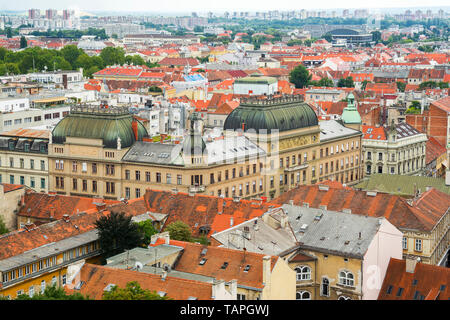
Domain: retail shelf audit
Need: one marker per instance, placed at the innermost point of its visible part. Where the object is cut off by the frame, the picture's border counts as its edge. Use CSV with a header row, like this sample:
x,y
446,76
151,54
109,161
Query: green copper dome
x,y
95,123
283,114
350,114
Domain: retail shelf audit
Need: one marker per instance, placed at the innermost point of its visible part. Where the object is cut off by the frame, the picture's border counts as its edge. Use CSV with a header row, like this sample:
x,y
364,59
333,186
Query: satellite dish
x,y
166,267
138,265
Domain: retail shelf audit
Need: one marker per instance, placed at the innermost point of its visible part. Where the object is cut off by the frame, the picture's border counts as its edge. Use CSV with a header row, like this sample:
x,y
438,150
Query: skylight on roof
x,y
203,261
247,267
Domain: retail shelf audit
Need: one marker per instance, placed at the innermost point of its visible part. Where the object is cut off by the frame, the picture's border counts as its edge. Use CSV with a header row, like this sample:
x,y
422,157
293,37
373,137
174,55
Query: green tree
x,y
401,86
114,36
364,84
178,230
135,60
346,83
117,233
299,76
328,37
3,228
54,293
376,36
8,32
71,53
154,89
112,55
294,42
23,42
90,71
132,291
325,82
414,108
147,229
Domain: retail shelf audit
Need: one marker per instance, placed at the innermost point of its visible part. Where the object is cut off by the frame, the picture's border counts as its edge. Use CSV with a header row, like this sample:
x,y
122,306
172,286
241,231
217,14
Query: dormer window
x,y
27,147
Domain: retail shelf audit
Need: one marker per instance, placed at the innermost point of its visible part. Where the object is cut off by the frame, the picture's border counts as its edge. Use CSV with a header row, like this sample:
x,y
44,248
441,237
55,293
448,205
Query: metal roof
x,y
334,232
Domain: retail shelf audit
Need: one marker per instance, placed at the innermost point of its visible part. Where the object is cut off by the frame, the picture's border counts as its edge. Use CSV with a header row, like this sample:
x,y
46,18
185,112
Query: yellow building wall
x,y
281,285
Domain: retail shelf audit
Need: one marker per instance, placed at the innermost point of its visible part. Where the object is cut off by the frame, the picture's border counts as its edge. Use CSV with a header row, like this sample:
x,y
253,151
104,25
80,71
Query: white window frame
x,y
301,293
345,279
405,243
418,244
303,273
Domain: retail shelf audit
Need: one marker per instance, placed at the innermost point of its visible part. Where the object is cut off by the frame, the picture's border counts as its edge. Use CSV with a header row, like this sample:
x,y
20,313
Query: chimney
x,y
29,226
284,221
52,212
163,137
217,287
164,275
266,269
411,264
134,126
166,237
101,206
233,288
220,205
231,221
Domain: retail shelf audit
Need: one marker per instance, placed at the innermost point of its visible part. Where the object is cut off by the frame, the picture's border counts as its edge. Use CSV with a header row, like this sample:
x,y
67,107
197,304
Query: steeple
x,y
350,114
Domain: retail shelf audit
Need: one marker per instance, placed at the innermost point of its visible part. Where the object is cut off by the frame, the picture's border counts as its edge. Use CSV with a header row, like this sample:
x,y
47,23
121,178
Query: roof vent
x,y
318,216
303,227
224,266
247,268
371,193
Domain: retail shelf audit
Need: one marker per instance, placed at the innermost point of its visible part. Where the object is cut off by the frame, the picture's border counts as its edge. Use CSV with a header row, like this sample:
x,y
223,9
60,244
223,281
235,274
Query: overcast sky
x,y
212,5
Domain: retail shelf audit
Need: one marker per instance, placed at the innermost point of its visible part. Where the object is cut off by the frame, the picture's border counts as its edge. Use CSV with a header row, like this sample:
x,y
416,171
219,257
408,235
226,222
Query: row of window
x,y
31,184
22,164
306,295
407,167
417,244
346,278
20,272
411,152
31,289
48,116
46,263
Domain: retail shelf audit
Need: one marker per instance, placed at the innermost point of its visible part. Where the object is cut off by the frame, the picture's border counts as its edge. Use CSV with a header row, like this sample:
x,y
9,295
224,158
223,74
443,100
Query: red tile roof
x,y
97,277
373,133
178,62
27,133
53,206
433,150
428,281
443,104
7,187
422,214
215,258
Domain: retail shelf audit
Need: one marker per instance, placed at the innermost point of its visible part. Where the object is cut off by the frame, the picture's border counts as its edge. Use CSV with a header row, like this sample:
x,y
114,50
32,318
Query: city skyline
x,y
205,6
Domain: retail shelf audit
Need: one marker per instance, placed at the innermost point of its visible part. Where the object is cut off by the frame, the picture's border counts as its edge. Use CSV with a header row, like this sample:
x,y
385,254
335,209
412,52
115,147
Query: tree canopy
x,y
346,83
299,76
3,228
117,233
178,230
54,293
147,230
132,291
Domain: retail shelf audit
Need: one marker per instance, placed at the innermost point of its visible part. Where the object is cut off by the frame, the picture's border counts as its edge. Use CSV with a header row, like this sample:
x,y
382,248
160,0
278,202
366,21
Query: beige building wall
x,y
30,169
10,204
281,283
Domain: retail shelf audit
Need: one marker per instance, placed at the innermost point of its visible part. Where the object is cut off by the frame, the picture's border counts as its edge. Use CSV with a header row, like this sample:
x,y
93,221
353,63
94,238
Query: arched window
x,y
346,278
303,273
303,295
325,291
344,298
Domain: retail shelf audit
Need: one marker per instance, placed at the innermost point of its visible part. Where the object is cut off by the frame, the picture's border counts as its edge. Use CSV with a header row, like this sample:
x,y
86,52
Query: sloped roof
x,y
402,185
53,207
215,258
425,283
96,278
420,215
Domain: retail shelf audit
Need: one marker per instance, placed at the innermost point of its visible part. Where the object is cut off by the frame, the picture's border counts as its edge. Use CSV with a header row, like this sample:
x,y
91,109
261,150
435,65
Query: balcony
x,y
197,189
297,167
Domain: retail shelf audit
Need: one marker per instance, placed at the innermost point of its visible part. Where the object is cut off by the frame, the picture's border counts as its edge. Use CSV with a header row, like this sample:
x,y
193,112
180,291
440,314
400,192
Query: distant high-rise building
x,y
34,13
67,14
50,14
194,14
